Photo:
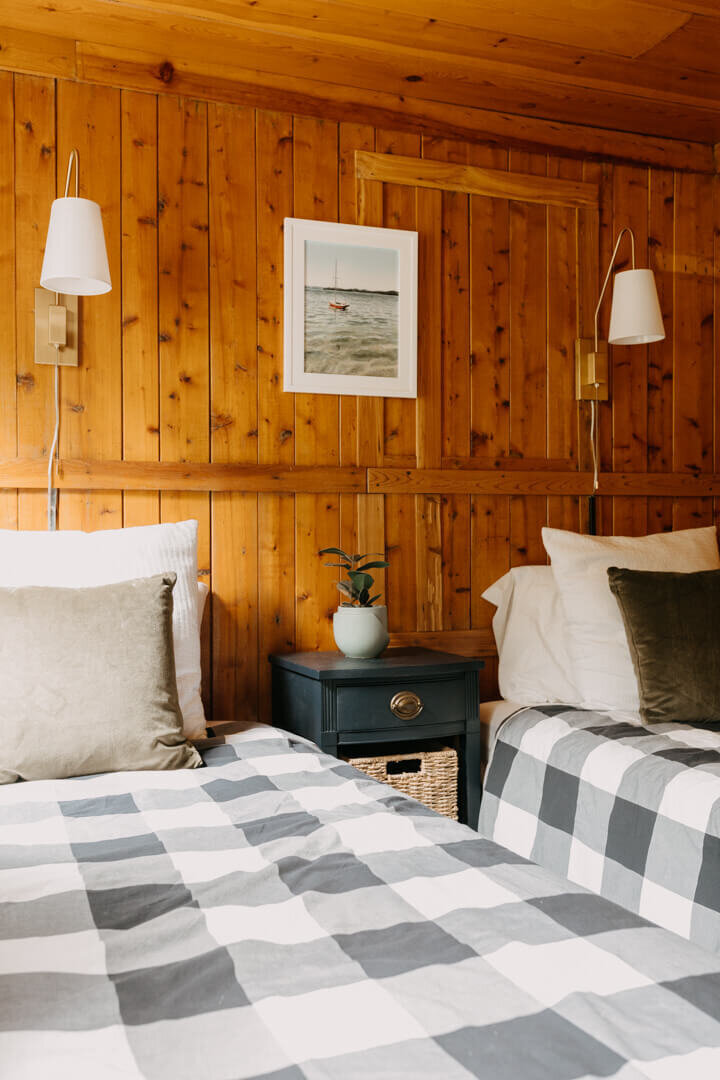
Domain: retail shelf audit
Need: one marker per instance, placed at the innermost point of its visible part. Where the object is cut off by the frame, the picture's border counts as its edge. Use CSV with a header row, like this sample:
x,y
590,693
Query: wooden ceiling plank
x,y
620,27
586,96
495,183
154,72
695,46
414,36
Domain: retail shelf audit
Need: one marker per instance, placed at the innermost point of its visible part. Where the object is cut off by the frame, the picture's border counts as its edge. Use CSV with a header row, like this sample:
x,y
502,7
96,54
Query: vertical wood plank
x,y
317,416
88,118
528,358
629,362
351,137
315,179
528,514
183,317
490,551
693,342
428,216
276,410
233,409
140,363
661,250
428,511
605,506
34,193
489,320
588,290
398,213
562,287
397,515
370,410
428,562
456,397
8,368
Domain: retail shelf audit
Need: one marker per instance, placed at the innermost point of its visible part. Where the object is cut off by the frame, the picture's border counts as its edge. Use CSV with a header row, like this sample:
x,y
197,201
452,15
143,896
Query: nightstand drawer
x,y
393,705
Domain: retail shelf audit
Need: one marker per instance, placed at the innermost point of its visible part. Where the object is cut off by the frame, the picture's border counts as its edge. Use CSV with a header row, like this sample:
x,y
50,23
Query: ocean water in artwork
x,y
351,310
359,339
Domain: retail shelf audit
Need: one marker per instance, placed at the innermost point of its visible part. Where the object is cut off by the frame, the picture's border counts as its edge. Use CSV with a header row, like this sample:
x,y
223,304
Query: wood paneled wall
x,y
182,361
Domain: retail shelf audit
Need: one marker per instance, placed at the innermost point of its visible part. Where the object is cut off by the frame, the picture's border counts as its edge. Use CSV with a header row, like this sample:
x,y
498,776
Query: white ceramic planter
x,y
361,632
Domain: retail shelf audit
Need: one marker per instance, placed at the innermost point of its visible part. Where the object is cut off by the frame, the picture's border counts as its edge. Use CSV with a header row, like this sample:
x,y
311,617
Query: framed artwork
x,y
350,309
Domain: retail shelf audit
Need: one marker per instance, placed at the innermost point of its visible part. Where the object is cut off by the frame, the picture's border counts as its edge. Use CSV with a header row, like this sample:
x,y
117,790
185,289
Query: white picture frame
x,y
336,325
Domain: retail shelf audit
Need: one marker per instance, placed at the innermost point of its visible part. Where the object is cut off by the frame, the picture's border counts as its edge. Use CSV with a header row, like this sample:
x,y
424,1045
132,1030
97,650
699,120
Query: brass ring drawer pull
x,y
406,705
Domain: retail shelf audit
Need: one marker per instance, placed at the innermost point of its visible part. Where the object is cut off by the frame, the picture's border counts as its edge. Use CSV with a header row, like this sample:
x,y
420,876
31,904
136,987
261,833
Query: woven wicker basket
x,y
432,782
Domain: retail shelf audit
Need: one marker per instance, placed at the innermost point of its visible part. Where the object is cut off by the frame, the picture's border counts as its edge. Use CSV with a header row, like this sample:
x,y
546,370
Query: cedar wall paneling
x,y
182,361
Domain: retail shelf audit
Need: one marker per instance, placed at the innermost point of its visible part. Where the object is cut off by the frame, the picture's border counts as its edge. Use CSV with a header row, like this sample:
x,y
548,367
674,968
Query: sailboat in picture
x,y
335,304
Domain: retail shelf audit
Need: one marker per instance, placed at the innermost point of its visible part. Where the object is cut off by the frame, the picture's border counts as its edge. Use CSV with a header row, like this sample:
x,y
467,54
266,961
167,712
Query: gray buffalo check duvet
x,y
277,915
627,810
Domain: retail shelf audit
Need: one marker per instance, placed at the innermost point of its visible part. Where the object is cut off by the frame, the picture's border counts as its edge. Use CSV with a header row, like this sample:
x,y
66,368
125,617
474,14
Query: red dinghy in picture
x,y
336,304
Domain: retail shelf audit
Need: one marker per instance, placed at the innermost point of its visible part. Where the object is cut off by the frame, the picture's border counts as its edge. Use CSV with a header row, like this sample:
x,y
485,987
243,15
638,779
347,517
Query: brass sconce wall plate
x,y
591,370
56,321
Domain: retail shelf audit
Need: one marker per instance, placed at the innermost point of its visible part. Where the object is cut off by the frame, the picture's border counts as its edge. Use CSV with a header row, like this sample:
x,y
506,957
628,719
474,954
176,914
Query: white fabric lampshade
x,y
635,316
75,260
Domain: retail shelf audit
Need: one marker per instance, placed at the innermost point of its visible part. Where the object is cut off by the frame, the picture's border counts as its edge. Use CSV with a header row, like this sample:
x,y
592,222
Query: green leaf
x,y
360,581
359,558
374,598
371,566
363,598
335,551
345,565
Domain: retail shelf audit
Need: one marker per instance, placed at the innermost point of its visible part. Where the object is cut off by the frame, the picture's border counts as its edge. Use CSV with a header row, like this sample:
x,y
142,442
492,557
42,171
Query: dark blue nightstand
x,y
405,695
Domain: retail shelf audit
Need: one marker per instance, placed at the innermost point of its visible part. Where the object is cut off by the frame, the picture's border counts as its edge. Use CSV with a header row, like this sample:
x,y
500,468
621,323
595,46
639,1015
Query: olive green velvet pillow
x,y
672,622
87,681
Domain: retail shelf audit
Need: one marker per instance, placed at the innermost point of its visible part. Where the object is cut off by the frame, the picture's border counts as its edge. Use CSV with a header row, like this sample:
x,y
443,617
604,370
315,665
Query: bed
x,y
276,914
629,810
605,754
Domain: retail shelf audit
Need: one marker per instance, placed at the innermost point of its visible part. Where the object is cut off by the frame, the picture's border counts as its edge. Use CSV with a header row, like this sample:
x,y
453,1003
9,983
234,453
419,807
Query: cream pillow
x,y
71,559
601,663
531,636
87,681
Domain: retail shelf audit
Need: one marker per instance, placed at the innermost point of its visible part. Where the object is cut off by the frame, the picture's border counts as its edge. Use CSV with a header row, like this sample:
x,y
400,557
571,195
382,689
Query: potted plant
x,y
360,627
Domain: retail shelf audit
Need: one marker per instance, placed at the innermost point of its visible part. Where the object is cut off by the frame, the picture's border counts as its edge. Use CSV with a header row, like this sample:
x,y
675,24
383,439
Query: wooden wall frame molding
x,y
472,180
75,475
393,481
78,475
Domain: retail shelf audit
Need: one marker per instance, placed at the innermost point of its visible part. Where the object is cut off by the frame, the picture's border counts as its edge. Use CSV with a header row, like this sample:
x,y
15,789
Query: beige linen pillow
x,y
602,666
87,681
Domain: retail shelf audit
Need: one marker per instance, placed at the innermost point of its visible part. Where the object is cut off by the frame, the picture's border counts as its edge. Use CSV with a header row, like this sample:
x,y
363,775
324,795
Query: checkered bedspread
x,y
627,810
277,915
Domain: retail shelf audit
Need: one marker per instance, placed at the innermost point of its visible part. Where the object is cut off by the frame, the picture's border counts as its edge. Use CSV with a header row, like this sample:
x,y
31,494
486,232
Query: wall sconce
x,y
635,319
75,264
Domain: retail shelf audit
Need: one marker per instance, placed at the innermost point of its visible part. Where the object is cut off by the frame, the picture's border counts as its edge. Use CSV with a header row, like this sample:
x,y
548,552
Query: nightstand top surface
x,y
401,661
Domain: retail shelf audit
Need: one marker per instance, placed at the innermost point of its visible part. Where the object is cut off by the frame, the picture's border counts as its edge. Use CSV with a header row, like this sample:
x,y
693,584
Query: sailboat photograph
x,y
351,309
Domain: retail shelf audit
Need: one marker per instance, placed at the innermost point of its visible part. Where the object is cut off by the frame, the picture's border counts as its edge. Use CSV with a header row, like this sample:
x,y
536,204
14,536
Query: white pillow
x,y
76,559
601,663
529,628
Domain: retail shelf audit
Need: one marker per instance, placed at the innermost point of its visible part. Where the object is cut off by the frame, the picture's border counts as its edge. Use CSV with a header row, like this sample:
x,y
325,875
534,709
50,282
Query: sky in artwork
x,y
357,267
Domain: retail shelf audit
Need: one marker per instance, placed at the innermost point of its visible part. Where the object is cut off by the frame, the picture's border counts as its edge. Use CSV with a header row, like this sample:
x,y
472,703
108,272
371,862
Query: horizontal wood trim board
x,y
182,476
449,176
161,73
75,475
570,482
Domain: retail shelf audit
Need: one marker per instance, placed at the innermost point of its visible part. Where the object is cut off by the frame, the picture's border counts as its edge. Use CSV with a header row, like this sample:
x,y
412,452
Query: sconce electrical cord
x,y
593,441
